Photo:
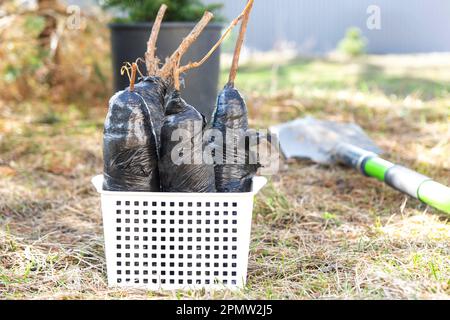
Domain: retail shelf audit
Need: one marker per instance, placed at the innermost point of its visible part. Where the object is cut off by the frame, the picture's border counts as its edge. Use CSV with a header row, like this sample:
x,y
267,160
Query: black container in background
x,y
129,41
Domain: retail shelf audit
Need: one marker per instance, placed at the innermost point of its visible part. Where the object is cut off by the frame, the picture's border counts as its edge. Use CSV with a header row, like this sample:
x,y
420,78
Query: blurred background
x,y
316,27
380,63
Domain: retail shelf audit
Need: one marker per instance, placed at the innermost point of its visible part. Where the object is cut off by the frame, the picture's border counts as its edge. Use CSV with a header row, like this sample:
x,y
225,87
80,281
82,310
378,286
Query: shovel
x,y
328,142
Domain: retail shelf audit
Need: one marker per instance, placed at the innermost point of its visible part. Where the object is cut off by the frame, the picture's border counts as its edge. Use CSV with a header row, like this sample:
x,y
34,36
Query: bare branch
x,y
167,70
151,61
239,42
233,23
133,76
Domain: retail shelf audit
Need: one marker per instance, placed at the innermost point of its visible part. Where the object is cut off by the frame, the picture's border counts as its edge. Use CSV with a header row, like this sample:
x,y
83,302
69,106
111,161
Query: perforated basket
x,y
157,240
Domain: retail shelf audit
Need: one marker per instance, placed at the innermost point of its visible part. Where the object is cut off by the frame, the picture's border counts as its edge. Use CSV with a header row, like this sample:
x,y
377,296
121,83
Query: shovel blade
x,y
309,138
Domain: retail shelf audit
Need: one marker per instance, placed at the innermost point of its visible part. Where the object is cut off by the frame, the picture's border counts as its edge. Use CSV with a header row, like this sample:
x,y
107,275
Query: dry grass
x,y
318,232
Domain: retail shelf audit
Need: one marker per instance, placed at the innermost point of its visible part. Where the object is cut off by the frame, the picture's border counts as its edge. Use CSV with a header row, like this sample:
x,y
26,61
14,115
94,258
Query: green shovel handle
x,y
409,182
398,177
435,194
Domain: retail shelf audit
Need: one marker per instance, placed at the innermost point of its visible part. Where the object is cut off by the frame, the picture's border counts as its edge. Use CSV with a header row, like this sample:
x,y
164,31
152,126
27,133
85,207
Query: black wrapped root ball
x,y
153,90
129,145
231,119
181,143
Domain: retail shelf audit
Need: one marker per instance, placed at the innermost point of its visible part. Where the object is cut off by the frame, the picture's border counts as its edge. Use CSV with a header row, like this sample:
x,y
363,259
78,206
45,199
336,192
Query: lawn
x,y
318,232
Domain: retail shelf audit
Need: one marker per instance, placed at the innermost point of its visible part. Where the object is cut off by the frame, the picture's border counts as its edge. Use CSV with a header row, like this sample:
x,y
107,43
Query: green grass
x,y
363,74
318,232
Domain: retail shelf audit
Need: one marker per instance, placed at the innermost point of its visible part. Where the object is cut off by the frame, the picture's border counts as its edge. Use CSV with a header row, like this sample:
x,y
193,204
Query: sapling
x,y
233,171
182,166
129,143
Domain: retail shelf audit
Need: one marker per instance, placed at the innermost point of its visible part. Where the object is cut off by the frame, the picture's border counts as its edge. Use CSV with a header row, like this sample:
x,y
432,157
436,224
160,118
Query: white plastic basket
x,y
168,241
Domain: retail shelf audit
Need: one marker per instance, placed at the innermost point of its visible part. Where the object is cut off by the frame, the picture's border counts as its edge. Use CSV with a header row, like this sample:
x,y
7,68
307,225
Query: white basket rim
x,y
258,183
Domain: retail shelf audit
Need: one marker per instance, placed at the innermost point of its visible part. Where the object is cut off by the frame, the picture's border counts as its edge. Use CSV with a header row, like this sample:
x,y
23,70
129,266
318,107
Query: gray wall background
x,y
316,26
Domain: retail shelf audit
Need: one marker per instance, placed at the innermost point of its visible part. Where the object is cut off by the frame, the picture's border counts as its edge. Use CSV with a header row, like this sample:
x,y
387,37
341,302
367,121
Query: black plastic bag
x,y
231,119
153,91
179,170
129,145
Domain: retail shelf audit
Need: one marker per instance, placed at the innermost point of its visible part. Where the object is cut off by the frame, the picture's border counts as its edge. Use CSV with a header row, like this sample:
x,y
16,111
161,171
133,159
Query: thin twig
x,y
239,43
233,23
137,63
126,68
151,61
167,70
176,75
133,76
